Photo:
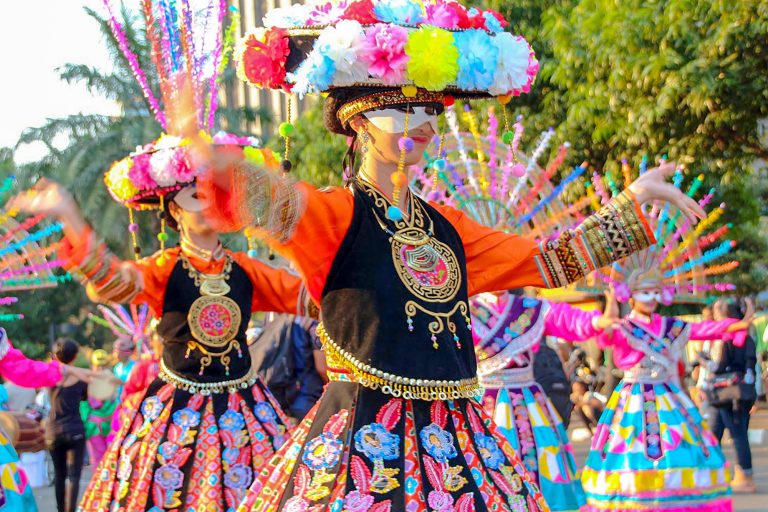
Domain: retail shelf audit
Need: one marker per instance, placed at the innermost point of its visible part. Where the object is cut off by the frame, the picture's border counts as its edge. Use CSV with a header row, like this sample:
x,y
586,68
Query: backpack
x,y
548,371
272,357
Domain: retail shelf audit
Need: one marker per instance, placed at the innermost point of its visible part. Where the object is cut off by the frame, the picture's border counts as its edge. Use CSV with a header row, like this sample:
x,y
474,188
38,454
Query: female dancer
x,y
651,449
15,492
398,428
207,423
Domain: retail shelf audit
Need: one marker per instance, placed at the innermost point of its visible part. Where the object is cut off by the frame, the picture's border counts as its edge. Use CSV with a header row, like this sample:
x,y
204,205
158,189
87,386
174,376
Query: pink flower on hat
x,y
384,52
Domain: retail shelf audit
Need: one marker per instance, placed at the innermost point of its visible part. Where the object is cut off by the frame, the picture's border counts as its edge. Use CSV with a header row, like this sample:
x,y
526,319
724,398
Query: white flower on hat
x,y
512,68
160,164
341,43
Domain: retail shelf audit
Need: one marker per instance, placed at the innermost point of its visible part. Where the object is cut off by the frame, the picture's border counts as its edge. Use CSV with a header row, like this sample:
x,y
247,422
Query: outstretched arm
x,y
498,261
106,277
20,370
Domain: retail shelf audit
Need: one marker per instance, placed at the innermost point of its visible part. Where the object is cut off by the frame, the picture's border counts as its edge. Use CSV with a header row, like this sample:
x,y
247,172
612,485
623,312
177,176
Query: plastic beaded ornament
x,y
132,322
190,48
684,259
27,254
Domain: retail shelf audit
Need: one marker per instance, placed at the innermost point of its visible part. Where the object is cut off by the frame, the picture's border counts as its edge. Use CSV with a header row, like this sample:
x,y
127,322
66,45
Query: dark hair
x,y
65,350
166,213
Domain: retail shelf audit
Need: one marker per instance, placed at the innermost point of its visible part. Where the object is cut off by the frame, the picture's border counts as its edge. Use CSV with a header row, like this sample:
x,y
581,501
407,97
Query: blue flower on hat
x,y
402,12
315,74
477,59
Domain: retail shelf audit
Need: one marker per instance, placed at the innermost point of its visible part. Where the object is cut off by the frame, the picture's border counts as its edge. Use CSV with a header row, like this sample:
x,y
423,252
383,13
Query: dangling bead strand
x,y
133,228
162,236
287,130
398,178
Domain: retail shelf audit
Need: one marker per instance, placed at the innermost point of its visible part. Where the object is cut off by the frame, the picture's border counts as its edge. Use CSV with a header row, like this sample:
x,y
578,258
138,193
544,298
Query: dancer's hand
x,y
610,318
653,186
47,197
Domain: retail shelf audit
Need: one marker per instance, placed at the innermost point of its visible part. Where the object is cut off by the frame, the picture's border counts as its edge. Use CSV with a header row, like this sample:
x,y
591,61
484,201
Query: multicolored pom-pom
x,y
398,178
405,144
253,254
133,228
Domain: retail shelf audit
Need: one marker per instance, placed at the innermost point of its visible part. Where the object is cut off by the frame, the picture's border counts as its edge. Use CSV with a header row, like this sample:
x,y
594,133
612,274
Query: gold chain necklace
x,y
213,318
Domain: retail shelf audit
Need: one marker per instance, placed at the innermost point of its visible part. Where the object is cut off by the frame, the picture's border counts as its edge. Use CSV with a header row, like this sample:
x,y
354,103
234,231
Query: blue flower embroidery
x,y
151,408
231,420
167,450
186,417
438,442
489,451
322,451
376,442
169,477
239,476
264,412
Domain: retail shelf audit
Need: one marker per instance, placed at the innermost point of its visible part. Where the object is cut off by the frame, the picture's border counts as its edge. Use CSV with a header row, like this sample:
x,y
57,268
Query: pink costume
x,y
16,494
651,449
507,335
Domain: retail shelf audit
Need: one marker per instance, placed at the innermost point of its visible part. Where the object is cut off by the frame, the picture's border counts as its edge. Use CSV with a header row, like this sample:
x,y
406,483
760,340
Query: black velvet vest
x,y
180,293
366,304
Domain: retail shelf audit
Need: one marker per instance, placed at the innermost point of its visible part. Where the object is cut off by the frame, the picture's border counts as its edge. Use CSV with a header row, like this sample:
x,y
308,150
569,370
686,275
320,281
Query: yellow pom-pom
x,y
250,232
410,91
433,58
504,98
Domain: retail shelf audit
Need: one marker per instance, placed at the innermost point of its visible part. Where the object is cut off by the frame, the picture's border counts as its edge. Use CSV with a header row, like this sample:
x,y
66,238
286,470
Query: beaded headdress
x,y
27,254
400,52
684,258
189,49
131,325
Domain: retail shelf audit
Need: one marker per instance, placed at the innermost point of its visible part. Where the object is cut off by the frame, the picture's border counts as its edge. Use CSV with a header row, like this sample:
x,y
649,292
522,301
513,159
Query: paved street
x,y
753,503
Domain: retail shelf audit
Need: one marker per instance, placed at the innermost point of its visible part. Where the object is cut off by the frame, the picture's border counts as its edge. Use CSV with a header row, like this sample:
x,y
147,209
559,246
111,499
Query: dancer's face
x,y
386,127
646,300
187,210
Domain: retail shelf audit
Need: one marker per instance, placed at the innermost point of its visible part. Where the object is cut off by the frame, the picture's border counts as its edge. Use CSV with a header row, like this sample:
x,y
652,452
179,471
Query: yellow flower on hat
x,y
118,180
433,58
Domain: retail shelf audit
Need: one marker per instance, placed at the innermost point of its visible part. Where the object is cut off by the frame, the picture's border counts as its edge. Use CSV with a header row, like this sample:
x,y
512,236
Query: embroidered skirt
x,y
532,425
360,450
181,451
652,451
15,491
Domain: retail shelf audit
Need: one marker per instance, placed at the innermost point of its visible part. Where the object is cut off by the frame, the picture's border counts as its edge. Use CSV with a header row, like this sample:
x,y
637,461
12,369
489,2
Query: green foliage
x,y
679,77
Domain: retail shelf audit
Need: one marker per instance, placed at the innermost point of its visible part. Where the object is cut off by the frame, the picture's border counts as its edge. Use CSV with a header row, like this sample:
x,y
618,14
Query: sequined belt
x,y
343,366
206,388
647,375
508,378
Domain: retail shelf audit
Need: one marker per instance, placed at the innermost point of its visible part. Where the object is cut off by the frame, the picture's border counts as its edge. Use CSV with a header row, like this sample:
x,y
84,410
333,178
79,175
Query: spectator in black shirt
x,y
733,367
66,432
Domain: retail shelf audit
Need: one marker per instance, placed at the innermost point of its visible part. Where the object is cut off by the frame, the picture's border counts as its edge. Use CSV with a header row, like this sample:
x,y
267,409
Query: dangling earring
x,y
364,147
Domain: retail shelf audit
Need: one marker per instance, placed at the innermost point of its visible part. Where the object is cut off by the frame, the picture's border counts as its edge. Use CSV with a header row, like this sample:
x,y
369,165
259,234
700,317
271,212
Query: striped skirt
x,y
652,451
532,425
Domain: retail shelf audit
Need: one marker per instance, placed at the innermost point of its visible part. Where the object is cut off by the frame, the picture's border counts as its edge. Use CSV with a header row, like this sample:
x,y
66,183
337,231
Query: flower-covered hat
x,y
433,45
165,166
